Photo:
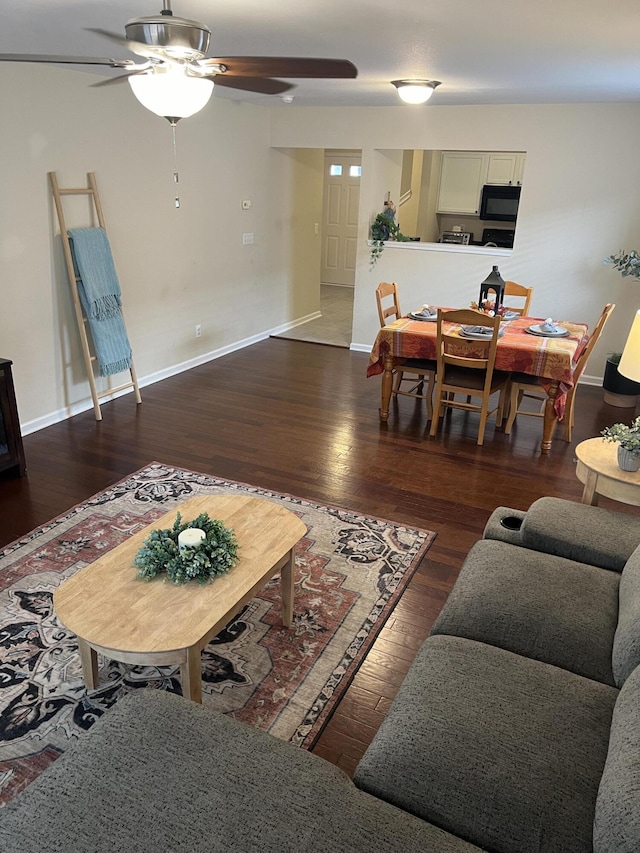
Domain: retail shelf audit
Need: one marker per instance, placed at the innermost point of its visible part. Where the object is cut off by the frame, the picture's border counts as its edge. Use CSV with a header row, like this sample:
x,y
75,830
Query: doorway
x,y
340,180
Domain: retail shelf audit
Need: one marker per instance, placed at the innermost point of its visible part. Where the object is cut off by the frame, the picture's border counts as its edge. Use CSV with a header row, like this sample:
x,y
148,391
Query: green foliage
x,y
626,436
383,228
627,263
160,552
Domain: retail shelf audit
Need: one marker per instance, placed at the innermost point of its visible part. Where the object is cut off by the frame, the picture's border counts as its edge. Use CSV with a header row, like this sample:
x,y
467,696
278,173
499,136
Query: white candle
x,y
192,537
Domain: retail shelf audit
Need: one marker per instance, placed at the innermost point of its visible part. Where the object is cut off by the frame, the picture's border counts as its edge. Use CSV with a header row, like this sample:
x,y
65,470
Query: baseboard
x,y
590,380
84,405
286,327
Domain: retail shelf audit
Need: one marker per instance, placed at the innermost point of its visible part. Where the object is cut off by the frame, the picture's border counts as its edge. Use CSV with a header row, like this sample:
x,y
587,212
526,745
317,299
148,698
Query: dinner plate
x,y
420,316
538,330
510,315
475,333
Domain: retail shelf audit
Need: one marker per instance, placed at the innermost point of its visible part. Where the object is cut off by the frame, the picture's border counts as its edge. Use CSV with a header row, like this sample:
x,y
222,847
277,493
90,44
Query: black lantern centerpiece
x,y
495,282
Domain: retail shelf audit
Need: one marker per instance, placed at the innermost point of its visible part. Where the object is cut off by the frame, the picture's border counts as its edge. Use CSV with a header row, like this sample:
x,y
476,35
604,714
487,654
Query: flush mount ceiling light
x,y
415,91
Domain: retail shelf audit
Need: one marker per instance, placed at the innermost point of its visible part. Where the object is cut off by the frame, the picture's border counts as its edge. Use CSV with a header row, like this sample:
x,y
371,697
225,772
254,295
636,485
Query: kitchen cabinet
x,y
505,168
11,450
464,173
462,177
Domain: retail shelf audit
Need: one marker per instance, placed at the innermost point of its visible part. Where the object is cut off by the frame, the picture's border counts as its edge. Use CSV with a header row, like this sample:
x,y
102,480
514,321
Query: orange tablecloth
x,y
547,358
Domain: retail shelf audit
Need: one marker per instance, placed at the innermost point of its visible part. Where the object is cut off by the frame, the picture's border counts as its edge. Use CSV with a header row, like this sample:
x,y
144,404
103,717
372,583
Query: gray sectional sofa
x,y
518,725
516,730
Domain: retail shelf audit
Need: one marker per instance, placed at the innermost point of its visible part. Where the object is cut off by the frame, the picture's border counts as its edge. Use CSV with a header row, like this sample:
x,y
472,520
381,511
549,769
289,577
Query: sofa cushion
x,y
160,773
588,534
504,751
537,605
617,822
626,645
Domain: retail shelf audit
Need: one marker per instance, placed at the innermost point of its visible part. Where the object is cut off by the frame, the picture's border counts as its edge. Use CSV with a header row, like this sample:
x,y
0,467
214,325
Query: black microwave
x,y
500,203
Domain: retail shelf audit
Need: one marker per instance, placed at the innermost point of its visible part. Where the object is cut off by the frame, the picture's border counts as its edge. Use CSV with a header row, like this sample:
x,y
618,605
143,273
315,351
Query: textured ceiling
x,y
483,51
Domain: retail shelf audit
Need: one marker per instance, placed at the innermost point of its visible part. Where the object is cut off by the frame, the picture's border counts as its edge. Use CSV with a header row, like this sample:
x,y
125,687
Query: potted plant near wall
x,y
618,390
384,227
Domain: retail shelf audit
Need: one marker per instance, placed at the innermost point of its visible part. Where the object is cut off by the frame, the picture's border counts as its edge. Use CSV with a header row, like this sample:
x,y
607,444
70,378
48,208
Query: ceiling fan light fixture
x,y
179,37
415,91
170,92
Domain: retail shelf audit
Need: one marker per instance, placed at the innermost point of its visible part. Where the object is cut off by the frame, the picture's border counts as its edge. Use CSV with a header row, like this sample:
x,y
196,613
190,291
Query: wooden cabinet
x,y
462,177
11,450
505,168
464,173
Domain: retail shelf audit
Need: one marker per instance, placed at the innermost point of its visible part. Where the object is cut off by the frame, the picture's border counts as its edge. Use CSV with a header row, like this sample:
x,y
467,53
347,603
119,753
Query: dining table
x,y
551,359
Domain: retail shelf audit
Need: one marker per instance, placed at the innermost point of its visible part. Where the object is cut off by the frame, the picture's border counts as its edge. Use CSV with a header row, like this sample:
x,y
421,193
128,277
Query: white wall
x,y
580,203
176,267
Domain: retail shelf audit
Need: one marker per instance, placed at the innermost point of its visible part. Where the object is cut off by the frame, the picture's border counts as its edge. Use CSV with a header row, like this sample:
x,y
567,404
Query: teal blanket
x,y
99,291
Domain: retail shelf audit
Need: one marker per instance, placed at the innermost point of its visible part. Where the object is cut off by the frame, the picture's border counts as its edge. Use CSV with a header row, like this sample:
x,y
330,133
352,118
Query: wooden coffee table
x,y
128,619
598,469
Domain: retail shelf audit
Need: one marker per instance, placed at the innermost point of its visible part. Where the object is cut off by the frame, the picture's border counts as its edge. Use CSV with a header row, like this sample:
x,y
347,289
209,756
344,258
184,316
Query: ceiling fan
x,y
174,49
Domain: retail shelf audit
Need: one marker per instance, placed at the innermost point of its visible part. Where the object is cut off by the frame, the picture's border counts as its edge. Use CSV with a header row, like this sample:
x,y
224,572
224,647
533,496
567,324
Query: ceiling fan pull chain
x,y
176,176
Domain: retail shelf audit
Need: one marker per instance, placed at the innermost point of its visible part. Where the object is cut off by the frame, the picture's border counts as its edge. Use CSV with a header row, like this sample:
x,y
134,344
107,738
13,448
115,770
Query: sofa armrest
x,y
588,534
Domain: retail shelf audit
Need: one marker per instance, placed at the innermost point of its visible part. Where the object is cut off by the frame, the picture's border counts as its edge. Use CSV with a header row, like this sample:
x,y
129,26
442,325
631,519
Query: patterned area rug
x,y
350,572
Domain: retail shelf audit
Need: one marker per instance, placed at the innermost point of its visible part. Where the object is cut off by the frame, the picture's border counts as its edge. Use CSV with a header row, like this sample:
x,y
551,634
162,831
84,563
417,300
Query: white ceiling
x,y
483,51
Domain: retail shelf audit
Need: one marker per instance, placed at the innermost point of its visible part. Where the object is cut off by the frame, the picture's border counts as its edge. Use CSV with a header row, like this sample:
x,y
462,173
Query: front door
x,y
342,171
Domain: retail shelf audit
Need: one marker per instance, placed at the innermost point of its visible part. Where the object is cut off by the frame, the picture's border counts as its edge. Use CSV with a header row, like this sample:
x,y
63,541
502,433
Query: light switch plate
x,y
247,239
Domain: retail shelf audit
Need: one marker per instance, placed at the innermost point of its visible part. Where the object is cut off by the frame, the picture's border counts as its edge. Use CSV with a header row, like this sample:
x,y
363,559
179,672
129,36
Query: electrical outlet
x,y
246,204
198,330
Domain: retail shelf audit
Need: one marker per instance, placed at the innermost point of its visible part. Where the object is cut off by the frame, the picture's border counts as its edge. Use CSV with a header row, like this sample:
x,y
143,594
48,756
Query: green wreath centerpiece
x,y
215,556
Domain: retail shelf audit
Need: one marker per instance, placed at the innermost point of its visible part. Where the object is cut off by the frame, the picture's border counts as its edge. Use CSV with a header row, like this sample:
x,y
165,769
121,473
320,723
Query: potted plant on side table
x,y
628,439
618,390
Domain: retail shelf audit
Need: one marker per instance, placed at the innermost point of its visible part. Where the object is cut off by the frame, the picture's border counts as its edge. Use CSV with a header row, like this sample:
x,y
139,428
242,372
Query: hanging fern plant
x,y
383,228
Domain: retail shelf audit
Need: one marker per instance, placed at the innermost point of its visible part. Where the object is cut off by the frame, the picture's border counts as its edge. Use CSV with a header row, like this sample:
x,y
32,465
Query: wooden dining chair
x,y
417,370
385,290
512,288
466,366
525,386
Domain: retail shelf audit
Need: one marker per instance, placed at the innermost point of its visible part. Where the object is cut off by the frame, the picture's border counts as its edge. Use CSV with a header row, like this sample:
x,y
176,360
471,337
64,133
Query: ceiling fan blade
x,y
65,60
263,85
136,47
283,66
110,81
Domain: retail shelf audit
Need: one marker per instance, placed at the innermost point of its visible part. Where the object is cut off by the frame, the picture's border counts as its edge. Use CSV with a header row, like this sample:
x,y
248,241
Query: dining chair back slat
x,y
385,290
512,288
466,366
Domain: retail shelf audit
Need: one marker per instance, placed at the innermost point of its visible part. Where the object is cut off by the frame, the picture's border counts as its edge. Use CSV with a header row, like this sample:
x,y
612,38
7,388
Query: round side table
x,y
598,469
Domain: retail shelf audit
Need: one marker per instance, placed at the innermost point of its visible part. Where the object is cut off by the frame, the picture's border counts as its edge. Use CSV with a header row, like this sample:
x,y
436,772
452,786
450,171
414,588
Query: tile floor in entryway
x,y
334,327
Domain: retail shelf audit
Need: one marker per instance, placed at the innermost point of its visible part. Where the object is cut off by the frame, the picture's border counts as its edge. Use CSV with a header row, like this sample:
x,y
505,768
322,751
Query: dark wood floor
x,y
302,418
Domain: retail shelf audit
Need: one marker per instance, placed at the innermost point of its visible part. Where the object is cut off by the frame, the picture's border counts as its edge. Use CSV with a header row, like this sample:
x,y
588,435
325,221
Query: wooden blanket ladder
x,y
92,191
